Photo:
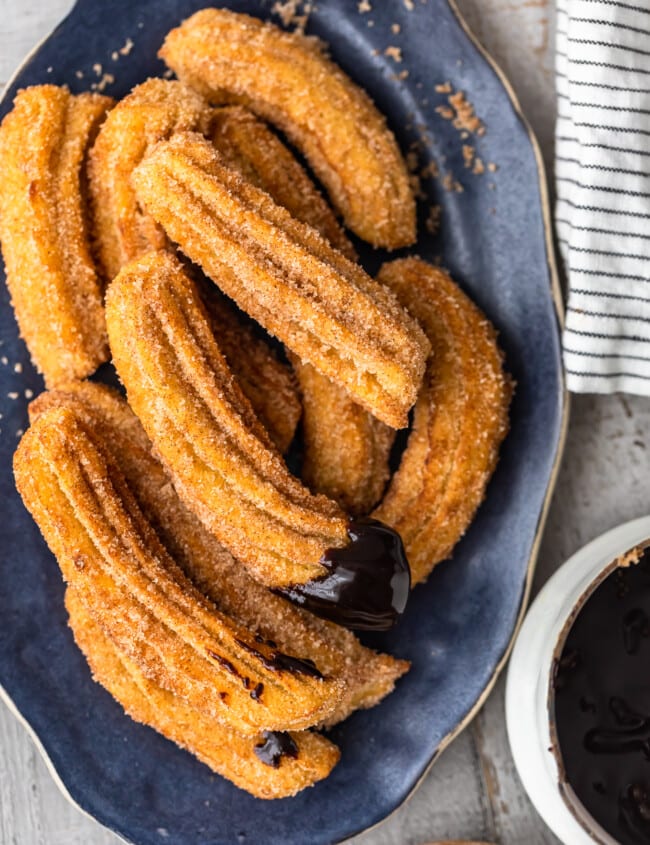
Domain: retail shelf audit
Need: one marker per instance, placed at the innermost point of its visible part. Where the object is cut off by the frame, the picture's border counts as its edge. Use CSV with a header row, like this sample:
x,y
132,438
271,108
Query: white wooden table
x,y
473,792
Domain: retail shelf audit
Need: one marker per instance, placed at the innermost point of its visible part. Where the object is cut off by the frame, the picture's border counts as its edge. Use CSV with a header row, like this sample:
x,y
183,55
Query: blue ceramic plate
x,y
458,627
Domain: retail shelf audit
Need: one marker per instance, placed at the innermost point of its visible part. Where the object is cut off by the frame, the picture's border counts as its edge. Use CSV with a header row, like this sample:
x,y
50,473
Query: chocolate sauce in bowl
x,y
368,581
602,704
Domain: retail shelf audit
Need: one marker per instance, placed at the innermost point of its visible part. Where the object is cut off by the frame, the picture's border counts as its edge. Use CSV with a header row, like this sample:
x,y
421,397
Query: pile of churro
x,y
176,234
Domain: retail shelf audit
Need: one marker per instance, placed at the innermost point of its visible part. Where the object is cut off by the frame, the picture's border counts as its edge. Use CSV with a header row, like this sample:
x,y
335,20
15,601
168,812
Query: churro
x,y
367,676
268,383
284,274
460,418
247,144
345,449
152,111
288,80
142,600
55,290
224,465
268,765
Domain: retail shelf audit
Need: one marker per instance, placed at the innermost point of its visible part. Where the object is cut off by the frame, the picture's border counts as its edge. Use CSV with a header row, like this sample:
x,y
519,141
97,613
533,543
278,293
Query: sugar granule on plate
x,y
18,368
79,74
364,6
452,185
410,5
394,53
13,395
444,88
432,222
4,360
97,69
479,167
291,13
492,167
395,28
29,394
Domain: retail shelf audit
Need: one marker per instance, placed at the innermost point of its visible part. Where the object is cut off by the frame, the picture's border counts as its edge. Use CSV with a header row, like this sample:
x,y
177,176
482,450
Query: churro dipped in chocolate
x,y
224,465
283,273
142,600
461,417
345,449
288,80
269,765
55,290
367,676
152,111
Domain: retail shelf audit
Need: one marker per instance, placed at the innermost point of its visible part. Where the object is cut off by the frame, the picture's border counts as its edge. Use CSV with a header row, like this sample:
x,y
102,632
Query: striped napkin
x,y
603,191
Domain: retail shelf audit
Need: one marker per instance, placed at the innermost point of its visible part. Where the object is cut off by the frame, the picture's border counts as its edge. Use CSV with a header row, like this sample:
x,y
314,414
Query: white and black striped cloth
x,y
603,191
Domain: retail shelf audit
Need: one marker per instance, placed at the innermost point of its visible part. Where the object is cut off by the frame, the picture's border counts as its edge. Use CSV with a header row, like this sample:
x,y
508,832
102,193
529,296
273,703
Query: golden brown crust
x,y
288,80
221,459
325,308
461,418
248,145
141,599
367,675
346,450
54,287
226,752
269,384
152,111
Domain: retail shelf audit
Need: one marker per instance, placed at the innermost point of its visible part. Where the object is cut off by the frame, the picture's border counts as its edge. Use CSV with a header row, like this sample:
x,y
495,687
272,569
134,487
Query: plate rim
x,y
563,399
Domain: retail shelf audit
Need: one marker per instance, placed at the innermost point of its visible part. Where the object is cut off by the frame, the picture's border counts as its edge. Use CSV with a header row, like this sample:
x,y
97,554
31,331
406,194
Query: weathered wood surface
x,y
473,791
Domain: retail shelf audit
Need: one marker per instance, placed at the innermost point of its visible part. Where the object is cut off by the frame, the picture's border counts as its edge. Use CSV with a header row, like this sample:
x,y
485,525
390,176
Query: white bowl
x,y
528,717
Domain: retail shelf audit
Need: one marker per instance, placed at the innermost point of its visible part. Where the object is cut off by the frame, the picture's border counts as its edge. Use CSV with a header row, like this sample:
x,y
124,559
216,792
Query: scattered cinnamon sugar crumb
x,y
364,6
107,79
79,74
4,360
29,394
444,88
370,23
401,76
430,170
479,167
97,68
450,184
18,368
394,53
445,112
492,167
395,28
465,118
410,5
468,155
290,14
168,74
12,395
126,49
115,55
433,219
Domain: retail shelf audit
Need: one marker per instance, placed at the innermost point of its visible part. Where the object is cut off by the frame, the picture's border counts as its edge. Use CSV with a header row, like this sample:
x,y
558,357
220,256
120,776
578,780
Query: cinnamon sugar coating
x,y
287,79
460,418
283,273
54,286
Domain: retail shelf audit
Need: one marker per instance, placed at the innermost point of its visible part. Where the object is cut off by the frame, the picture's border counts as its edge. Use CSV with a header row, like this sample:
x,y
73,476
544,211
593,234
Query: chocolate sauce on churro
x,y
602,704
280,662
368,582
276,745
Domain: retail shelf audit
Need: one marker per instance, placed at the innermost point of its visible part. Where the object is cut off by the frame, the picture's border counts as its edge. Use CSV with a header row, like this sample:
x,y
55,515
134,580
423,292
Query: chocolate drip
x,y
276,745
277,661
602,704
368,581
